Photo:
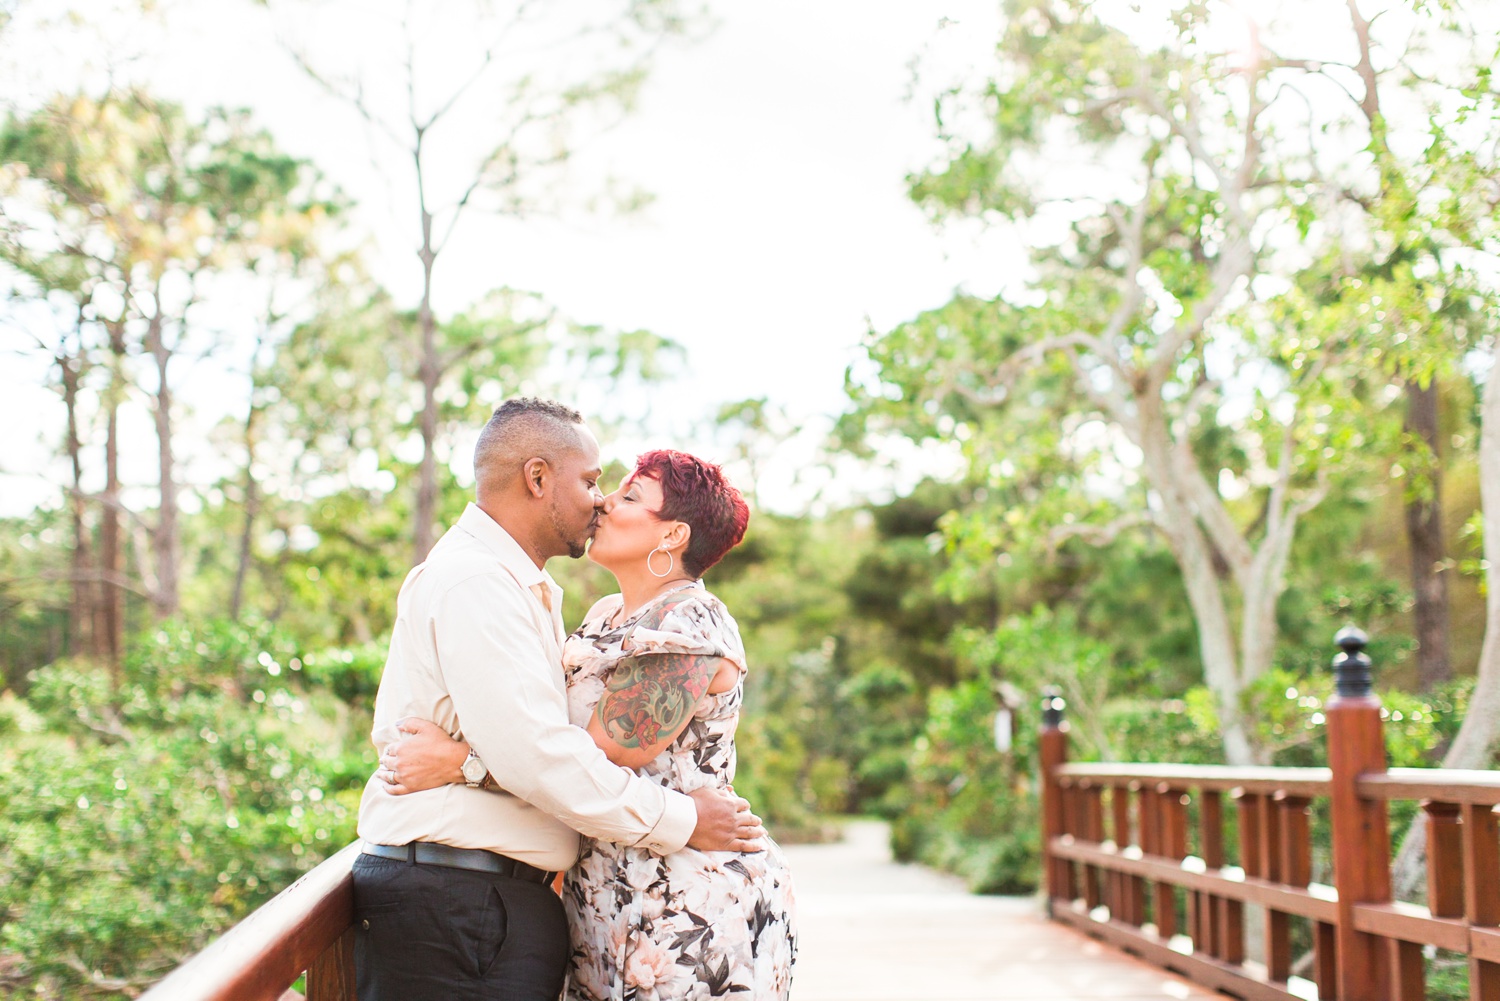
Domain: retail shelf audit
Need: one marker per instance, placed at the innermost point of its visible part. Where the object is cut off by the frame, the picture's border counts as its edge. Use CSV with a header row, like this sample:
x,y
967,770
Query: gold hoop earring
x,y
671,563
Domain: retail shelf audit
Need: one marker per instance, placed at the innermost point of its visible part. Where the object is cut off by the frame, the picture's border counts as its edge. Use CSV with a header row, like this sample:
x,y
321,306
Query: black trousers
x,y
432,932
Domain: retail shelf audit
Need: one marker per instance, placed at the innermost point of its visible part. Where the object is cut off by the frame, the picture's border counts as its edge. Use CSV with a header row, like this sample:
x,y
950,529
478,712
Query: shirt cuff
x,y
675,827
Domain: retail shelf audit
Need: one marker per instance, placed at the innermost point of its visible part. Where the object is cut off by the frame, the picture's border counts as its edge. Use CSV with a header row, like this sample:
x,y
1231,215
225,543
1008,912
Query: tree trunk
x,y
1476,738
1474,745
1205,590
252,509
1424,532
83,638
111,622
166,540
429,370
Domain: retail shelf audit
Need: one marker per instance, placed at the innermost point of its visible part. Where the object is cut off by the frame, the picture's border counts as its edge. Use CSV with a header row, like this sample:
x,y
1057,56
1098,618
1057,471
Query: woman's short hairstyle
x,y
696,492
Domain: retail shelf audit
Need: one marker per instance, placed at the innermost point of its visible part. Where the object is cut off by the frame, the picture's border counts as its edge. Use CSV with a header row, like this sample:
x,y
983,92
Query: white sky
x,y
776,150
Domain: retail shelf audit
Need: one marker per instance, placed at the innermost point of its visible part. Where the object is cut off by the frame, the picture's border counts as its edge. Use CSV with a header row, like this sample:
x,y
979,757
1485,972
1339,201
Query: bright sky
x,y
776,150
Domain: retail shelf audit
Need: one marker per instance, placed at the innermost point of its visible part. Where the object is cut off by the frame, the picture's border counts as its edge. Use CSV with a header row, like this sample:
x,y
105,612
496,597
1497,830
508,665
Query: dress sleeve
x,y
698,625
598,610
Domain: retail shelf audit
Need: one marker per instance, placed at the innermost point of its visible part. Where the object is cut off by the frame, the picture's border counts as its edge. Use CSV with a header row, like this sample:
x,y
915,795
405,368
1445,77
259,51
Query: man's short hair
x,y
526,428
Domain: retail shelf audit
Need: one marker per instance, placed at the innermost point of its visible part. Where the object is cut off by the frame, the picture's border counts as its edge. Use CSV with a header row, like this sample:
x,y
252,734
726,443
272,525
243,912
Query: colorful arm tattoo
x,y
649,699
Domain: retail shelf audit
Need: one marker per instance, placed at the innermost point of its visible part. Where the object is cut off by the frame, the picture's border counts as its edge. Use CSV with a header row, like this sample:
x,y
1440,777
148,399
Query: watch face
x,y
473,769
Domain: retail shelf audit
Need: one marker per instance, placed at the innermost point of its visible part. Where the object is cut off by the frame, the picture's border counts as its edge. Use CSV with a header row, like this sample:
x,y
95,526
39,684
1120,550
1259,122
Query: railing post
x,y
1361,836
1054,752
331,975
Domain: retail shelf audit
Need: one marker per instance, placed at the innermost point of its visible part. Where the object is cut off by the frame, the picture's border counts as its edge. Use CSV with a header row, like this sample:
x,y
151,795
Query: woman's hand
x,y
425,757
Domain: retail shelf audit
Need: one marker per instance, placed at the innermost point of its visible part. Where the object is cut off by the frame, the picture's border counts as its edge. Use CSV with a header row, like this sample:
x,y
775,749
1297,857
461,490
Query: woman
x,y
656,674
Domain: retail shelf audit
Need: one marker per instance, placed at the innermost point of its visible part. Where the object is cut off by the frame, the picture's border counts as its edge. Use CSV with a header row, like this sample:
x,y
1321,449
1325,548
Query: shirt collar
x,y
505,547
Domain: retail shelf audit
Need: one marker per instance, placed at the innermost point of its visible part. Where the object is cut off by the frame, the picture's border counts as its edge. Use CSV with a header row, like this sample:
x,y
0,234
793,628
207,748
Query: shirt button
x,y
365,924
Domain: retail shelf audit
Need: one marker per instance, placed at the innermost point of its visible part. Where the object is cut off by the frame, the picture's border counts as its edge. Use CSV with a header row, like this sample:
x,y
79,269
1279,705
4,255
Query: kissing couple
x,y
503,738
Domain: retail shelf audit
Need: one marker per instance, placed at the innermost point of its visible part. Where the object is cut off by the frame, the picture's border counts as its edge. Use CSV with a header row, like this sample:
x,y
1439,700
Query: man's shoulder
x,y
457,563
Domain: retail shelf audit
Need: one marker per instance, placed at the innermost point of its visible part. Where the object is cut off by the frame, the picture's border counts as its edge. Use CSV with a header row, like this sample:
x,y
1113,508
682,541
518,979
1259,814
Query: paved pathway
x,y
873,930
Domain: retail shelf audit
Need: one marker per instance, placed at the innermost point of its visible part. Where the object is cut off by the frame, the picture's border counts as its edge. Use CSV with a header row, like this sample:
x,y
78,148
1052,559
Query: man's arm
x,y
507,694
425,757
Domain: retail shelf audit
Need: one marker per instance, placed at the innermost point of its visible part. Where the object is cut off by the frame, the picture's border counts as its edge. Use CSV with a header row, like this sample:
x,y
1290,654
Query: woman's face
x,y
629,528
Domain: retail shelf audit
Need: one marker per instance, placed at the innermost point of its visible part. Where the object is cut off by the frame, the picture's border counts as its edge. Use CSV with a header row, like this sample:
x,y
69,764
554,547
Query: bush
x,y
140,822
972,810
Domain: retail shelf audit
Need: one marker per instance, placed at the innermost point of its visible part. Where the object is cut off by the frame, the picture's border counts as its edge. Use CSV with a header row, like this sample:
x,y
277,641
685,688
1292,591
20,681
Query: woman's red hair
x,y
696,492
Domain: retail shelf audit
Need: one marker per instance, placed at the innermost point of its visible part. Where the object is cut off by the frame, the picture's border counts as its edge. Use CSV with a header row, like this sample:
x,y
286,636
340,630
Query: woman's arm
x,y
647,702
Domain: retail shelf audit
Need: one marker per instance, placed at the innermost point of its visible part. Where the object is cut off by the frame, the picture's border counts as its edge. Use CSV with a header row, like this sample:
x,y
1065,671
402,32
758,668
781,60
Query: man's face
x,y
575,501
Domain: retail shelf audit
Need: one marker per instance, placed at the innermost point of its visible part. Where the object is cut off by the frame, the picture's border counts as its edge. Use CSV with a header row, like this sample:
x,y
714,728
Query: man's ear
x,y
537,476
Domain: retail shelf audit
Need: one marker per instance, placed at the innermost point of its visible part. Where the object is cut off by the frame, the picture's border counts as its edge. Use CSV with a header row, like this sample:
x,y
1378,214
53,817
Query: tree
x,y
516,81
148,207
1213,304
1112,360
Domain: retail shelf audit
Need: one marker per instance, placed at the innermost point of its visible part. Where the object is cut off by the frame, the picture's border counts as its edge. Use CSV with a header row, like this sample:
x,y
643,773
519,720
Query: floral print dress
x,y
691,925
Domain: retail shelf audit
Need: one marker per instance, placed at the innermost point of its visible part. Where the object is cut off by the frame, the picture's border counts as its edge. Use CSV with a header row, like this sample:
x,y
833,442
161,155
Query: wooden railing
x,y
1136,855
308,927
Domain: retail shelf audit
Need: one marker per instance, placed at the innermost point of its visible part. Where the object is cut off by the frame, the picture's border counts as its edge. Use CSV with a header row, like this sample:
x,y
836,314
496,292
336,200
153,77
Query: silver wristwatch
x,y
473,769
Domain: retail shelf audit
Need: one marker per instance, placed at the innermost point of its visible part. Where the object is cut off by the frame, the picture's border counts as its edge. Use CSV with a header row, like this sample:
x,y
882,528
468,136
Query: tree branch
x,y
1098,535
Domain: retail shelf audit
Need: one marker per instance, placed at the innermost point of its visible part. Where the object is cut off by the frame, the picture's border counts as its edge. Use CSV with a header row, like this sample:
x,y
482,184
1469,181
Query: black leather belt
x,y
477,859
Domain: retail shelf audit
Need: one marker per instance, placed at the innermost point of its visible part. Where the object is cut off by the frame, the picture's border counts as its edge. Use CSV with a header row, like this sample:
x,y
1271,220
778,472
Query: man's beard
x,y
576,546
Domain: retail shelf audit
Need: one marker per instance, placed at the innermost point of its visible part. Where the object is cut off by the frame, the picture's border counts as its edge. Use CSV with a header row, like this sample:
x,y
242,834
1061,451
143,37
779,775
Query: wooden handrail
x,y
1446,785
1127,881
1223,778
305,928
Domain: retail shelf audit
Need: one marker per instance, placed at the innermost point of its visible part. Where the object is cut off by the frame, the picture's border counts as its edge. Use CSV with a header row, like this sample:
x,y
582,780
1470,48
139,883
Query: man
x,y
451,893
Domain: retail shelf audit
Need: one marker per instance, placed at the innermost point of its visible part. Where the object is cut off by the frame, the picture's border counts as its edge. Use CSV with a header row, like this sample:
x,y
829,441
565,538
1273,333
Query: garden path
x,y
875,930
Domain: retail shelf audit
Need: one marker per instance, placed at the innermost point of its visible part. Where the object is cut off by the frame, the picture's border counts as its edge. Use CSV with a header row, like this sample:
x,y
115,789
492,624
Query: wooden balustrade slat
x,y
1208,927
1484,980
1408,971
1130,888
263,955
1445,859
1481,891
1481,864
1093,830
1232,920
1249,804
1325,959
1296,840
1172,805
1278,925
1251,833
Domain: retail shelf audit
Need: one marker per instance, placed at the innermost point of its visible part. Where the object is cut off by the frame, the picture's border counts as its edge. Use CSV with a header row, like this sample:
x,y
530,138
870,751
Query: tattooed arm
x,y
648,701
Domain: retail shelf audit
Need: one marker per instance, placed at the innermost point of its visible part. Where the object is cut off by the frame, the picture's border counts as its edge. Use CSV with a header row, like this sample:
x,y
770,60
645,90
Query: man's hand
x,y
425,757
725,823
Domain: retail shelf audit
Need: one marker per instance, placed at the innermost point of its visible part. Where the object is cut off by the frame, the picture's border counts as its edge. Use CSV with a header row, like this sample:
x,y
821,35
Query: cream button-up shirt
x,y
476,650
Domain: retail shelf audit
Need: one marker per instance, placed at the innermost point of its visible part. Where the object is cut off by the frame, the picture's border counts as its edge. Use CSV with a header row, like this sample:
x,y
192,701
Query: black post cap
x,y
1053,705
1351,665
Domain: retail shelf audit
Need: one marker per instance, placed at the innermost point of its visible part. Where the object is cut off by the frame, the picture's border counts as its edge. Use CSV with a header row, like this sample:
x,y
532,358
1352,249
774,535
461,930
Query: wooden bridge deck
x,y
872,930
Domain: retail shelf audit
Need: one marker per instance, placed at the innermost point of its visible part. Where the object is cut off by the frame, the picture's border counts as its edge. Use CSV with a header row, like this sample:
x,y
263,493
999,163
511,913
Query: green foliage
x,y
140,822
971,809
